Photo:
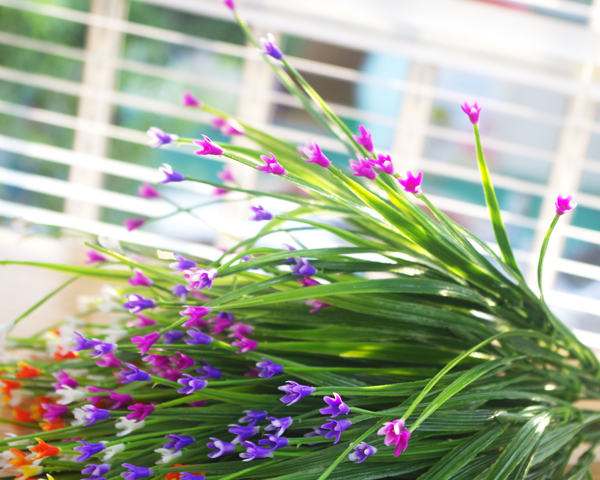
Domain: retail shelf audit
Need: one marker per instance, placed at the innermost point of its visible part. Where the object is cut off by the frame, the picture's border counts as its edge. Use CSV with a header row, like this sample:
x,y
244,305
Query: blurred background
x,y
82,80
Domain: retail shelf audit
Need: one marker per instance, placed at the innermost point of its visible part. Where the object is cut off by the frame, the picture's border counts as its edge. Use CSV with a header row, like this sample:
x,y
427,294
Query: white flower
x,y
18,396
110,300
113,335
110,452
68,458
79,414
110,243
18,442
4,458
128,426
167,456
69,395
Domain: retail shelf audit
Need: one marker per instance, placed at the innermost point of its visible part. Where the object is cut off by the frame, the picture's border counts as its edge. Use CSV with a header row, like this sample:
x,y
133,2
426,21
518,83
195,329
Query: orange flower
x,y
47,426
64,354
21,415
177,475
44,450
10,385
19,458
27,371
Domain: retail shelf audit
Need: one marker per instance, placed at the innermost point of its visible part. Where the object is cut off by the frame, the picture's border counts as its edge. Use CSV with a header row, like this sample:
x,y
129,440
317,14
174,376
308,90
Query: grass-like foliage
x,y
418,331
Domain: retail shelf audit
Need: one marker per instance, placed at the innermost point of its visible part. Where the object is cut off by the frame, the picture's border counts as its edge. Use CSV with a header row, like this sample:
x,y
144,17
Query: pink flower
x,y
232,127
362,168
244,344
564,204
240,330
307,281
208,147
188,100
271,165
139,279
411,183
217,122
395,434
364,138
145,190
383,163
109,360
315,155
226,174
195,314
317,305
133,223
229,4
94,257
145,342
199,279
472,111
143,321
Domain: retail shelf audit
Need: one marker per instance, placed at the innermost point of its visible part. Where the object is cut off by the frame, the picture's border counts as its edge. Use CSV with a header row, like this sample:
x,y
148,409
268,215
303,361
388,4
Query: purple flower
x,y
160,138
226,175
136,303
242,432
188,100
383,163
564,204
315,155
182,361
269,47
139,411
336,406
362,168
220,447
207,147
64,380
253,452
82,343
171,374
180,291
260,213
199,279
169,175
232,127
316,305
244,344
96,471
145,190
157,361
208,371
87,450
93,414
133,223
109,360
120,399
102,348
279,425
291,249
54,412
294,392
303,267
195,314
144,343
135,375
224,320
172,336
271,165
182,263
191,476
229,4
190,384
361,452
267,369
411,183
240,329
472,111
364,138
143,322
335,427
306,281
135,473
198,337
395,434
253,417
177,442
94,257
273,442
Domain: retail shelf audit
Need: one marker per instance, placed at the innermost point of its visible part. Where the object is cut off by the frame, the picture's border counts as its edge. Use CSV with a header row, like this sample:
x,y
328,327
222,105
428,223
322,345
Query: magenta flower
x,y
198,337
120,399
217,122
195,314
135,375
472,111
133,223
273,442
231,6
93,414
564,204
362,168
64,380
54,412
144,343
157,361
145,190
361,452
188,100
181,361
87,450
220,448
208,147
226,175
395,434
244,344
315,155
279,425
306,281
336,406
109,360
101,348
135,473
411,183
168,175
136,303
191,384
144,322
199,279
160,138
182,263
271,165
268,369
232,127
139,279
94,257
221,322
139,411
260,213
316,305
208,371
294,392
240,328
252,418
253,452
364,138
177,442
383,163
335,427
171,374
269,47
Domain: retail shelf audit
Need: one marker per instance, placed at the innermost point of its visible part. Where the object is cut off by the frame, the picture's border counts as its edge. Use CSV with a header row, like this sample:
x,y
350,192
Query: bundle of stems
x,y
412,351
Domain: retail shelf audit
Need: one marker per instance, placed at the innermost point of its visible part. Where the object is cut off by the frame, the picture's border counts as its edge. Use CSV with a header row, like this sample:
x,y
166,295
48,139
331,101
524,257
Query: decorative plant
x,y
442,363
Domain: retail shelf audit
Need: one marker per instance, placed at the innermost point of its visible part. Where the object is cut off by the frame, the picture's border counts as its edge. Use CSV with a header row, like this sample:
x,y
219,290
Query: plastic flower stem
x,y
543,254
493,207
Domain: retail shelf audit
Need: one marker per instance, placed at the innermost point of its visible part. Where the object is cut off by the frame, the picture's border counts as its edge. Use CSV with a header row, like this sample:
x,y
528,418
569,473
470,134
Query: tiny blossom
x,y
260,213
168,175
191,384
112,451
267,369
54,412
229,4
120,399
136,303
364,138
240,328
271,165
294,392
97,398
306,281
109,360
177,442
383,163
198,403
180,291
208,147
144,343
156,360
232,127
315,155
198,337
199,279
195,314
93,414
336,406
411,183
182,263
564,204
273,442
226,174
361,452
102,348
188,100
362,168
81,342
139,279
242,432
128,426
303,267
472,111
94,257
208,371
44,449
167,456
335,427
135,473
217,122
220,448
87,450
279,425
221,322
145,190
160,138
70,395
143,322
291,249
172,336
395,434
182,361
316,305
171,374
244,344
253,417
64,380
96,471
135,375
139,411
269,47
253,452
133,223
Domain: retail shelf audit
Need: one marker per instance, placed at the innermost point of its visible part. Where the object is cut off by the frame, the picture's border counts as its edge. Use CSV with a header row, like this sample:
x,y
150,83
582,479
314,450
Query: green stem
x,y
543,254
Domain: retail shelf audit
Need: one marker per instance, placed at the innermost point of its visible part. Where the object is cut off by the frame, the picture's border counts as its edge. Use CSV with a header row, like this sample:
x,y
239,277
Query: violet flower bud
x,y
177,442
253,417
226,174
54,412
82,343
240,329
411,183
136,473
195,314
294,392
242,432
198,337
362,168
102,348
291,249
229,4
267,369
253,452
64,379
96,471
244,344
273,442
139,279
316,305
188,100
222,321
472,111
306,281
158,138
136,303
208,147
364,138
269,47
87,450
279,425
335,427
109,360
134,223
190,384
182,263
315,155
180,291
232,127
336,406
144,343
182,361
361,452
135,375
564,204
383,163
139,411
199,279
260,213
220,447
94,257
93,414
207,371
303,267
172,336
271,165
168,175
144,322
145,190
120,399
